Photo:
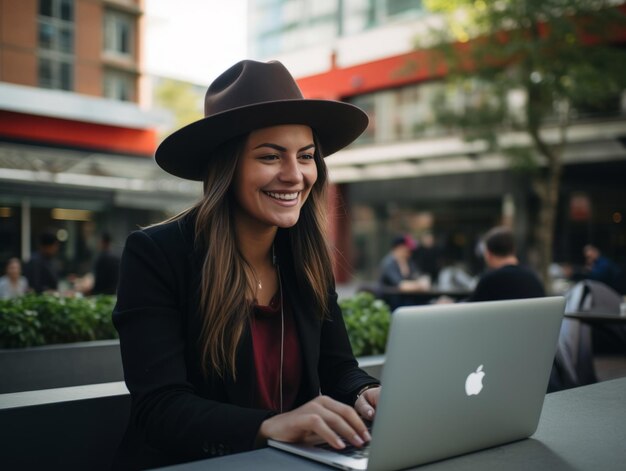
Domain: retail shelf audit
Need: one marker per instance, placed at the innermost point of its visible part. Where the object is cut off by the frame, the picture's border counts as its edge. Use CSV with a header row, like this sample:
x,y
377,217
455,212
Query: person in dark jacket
x,y
106,268
227,314
41,270
505,278
601,268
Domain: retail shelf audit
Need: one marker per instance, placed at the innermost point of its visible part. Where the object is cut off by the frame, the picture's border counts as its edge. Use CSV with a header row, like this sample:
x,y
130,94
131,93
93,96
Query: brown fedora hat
x,y
252,95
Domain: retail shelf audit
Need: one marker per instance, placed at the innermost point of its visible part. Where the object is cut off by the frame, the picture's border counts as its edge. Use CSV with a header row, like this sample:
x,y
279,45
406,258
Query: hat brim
x,y
187,152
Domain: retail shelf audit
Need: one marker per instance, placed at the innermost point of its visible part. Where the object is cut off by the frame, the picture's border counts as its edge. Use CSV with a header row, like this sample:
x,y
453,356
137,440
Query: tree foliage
x,y
529,66
181,99
367,322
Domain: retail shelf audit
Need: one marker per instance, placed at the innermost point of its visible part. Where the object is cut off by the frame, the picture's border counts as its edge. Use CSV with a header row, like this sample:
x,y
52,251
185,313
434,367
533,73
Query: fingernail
x,y
358,440
370,412
367,436
340,443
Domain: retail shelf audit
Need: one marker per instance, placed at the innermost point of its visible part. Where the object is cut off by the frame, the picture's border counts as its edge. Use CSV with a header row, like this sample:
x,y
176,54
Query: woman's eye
x,y
307,156
269,157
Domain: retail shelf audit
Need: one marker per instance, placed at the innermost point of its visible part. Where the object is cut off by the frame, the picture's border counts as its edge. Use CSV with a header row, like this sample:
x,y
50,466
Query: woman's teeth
x,y
282,196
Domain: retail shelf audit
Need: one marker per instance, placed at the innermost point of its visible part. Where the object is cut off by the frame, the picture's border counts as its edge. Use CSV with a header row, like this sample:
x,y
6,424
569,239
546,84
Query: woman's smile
x,y
282,196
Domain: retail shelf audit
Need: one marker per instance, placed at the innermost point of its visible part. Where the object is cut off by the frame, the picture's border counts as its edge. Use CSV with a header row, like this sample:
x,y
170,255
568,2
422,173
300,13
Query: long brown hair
x,y
227,285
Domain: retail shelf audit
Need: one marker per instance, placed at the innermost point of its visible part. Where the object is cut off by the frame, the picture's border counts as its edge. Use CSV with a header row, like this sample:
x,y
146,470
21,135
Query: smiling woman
x,y
228,318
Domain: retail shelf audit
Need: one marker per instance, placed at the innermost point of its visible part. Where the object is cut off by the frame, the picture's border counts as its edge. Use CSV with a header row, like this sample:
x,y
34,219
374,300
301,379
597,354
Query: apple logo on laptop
x,y
474,382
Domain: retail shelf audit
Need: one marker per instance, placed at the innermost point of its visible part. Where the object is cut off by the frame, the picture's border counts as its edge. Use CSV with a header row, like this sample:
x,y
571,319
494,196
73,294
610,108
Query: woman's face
x,y
274,176
14,269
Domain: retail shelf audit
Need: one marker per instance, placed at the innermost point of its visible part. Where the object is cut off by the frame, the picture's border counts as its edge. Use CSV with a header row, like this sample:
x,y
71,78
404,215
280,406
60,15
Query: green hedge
x,y
367,320
35,320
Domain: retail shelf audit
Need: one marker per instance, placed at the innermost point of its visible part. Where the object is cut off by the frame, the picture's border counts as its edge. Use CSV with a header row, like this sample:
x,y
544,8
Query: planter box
x,y
76,428
76,364
58,366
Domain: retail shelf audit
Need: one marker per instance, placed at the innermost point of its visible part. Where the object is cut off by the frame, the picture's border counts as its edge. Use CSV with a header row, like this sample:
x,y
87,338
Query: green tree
x,y
528,66
181,99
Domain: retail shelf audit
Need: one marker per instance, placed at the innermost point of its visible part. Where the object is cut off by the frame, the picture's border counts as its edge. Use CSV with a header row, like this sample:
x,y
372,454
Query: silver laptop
x,y
457,378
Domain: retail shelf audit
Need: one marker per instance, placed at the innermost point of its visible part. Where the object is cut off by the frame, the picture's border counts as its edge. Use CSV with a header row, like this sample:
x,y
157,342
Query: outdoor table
x,y
580,429
596,318
416,296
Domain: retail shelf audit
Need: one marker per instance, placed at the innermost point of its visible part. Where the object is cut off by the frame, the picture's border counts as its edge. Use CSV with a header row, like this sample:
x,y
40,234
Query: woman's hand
x,y
366,403
321,417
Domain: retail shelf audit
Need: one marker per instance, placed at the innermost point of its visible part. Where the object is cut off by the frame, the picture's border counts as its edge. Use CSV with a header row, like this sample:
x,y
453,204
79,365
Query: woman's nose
x,y
290,170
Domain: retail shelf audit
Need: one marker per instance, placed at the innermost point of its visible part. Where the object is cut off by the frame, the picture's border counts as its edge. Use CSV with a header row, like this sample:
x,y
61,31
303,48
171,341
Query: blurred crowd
x,y
414,265
42,273
411,265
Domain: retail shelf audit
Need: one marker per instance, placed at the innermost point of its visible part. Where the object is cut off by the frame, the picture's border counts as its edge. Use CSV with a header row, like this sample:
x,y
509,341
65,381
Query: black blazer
x,y
176,414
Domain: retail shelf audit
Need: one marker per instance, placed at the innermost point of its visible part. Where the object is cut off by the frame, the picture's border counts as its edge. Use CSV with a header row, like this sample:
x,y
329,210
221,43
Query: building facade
x,y
408,173
76,138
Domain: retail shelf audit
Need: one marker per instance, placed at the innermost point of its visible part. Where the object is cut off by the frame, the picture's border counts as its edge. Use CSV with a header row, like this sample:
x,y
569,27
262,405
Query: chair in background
x,y
579,341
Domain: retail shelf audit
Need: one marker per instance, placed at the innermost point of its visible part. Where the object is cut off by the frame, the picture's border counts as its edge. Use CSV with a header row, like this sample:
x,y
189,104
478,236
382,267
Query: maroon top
x,y
266,337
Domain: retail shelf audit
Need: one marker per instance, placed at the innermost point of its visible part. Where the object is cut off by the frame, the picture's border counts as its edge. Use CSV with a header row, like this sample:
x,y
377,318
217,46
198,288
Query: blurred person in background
x,y
106,268
397,270
41,270
600,268
13,284
505,277
427,256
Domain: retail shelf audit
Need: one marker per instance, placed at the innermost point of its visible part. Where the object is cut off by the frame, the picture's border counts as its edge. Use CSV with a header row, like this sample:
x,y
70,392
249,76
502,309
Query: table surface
x,y
432,291
579,429
597,318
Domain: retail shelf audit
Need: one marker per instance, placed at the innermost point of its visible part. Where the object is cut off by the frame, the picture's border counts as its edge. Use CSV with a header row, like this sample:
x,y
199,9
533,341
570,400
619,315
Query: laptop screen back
x,y
462,377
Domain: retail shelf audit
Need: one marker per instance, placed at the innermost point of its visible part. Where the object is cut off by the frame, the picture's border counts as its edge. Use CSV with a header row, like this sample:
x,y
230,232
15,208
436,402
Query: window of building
x,y
432,109
323,8
62,9
119,33
56,44
360,15
402,113
367,103
400,7
119,85
54,37
278,26
46,7
56,74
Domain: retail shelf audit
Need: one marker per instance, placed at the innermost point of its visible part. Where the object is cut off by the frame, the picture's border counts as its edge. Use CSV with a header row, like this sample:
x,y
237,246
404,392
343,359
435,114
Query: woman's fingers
x,y
346,421
364,408
372,395
324,417
316,424
366,404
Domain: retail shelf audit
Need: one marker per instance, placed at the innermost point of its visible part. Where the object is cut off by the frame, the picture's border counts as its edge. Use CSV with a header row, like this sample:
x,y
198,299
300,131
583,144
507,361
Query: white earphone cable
x,y
282,328
282,337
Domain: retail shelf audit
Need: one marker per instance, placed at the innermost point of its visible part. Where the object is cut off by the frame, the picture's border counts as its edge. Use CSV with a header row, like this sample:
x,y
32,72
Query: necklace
x,y
258,280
